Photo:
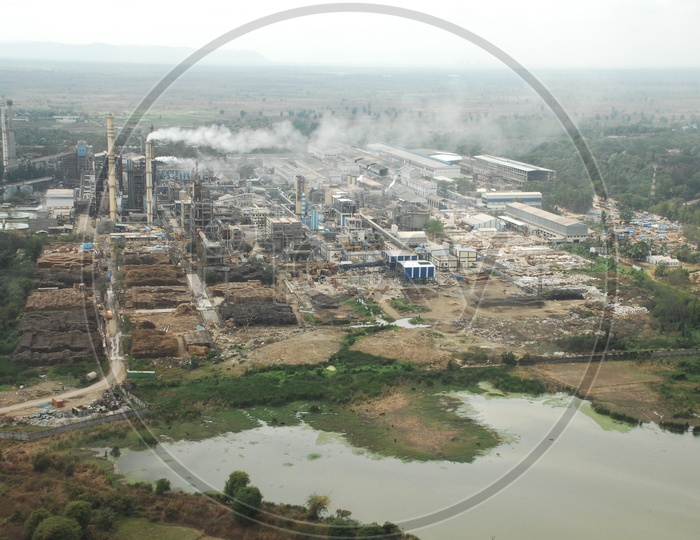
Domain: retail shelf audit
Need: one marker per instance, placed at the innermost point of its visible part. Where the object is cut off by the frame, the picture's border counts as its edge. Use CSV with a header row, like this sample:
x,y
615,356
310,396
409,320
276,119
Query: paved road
x,y
204,305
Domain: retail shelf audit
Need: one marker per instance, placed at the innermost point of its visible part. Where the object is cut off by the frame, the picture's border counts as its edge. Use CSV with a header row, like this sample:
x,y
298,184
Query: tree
x,y
58,528
162,486
435,228
660,271
508,358
80,511
341,528
34,520
317,505
247,504
373,530
236,480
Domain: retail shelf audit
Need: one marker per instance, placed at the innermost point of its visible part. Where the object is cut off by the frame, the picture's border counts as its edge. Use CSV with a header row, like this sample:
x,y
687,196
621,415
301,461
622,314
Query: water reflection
x,y
600,478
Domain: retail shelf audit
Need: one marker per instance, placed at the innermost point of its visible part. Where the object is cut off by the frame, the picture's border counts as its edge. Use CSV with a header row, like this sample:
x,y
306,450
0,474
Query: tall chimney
x,y
299,189
9,157
112,179
149,182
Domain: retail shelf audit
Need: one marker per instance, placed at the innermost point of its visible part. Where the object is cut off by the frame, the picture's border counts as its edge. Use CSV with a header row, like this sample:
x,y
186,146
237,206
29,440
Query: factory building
x,y
480,222
283,232
466,256
417,269
497,200
543,223
509,170
426,165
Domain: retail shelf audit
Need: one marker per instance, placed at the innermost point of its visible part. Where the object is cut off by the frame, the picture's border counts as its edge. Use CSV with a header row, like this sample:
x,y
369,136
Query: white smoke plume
x,y
221,138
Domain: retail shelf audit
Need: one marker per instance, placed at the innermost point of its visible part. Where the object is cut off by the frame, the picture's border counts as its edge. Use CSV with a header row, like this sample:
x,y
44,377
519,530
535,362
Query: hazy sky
x,y
537,33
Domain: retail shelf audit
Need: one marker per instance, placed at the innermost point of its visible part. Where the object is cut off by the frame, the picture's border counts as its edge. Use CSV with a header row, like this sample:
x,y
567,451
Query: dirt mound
x,y
323,301
147,343
245,272
197,350
57,300
255,313
65,258
153,275
183,310
145,325
66,279
136,259
51,337
244,292
156,297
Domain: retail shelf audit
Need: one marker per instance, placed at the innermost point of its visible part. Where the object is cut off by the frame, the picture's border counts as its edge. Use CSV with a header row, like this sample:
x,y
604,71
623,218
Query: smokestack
x,y
112,179
299,193
9,158
149,182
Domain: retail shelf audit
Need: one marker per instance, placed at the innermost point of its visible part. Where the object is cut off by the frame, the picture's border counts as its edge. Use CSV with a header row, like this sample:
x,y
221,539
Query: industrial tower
x,y
9,158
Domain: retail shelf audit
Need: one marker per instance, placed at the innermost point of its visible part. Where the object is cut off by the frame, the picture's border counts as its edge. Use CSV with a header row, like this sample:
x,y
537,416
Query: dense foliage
x,y
626,156
18,253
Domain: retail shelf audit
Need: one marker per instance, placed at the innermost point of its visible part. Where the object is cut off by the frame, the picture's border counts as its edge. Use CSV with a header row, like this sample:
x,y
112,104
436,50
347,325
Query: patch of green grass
x,y
138,528
16,374
379,435
400,305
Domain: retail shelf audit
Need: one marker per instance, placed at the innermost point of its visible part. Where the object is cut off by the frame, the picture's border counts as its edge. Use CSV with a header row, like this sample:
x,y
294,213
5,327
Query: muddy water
x,y
599,479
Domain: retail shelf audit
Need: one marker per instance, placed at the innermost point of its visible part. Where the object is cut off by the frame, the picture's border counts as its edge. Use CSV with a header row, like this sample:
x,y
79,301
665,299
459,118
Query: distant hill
x,y
140,54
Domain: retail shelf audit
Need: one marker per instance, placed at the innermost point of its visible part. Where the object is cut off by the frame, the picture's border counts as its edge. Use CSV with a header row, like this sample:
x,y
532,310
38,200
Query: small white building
x,y
663,260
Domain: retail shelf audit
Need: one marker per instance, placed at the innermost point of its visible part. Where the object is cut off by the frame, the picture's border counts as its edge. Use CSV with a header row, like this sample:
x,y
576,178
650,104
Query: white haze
x,y
223,139
445,127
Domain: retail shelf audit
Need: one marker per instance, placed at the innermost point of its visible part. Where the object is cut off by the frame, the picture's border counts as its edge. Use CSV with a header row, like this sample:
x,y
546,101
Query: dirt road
x,y
115,376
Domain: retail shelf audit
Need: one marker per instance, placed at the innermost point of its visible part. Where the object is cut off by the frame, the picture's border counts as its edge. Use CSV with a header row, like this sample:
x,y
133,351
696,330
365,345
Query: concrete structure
x,y
543,223
9,157
149,182
510,170
663,260
417,269
283,232
426,165
112,176
442,259
497,200
395,256
479,222
466,256
412,238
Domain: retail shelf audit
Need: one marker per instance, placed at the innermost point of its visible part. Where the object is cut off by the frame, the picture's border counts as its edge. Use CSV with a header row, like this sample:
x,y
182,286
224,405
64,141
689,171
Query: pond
x,y
598,478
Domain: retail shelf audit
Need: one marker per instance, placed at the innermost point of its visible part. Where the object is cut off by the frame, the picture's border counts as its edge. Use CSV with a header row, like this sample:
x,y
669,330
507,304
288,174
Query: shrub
x,y
58,528
34,520
162,486
247,504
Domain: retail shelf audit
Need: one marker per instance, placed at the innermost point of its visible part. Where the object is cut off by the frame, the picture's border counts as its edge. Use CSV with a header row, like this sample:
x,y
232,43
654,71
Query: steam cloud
x,y
222,138
441,125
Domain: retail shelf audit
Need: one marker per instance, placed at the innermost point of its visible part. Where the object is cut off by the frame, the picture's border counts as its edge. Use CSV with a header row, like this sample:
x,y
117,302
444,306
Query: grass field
x,y
139,528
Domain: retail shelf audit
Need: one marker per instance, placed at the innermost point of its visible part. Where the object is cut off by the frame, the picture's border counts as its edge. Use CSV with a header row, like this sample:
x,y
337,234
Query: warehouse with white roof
x,y
556,228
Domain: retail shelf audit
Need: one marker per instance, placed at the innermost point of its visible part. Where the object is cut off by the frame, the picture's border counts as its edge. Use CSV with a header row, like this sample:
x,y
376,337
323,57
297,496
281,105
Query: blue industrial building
x,y
418,269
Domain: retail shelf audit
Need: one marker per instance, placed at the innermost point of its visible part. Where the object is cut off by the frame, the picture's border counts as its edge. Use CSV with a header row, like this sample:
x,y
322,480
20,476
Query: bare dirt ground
x,y
626,387
391,412
176,323
409,345
282,345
